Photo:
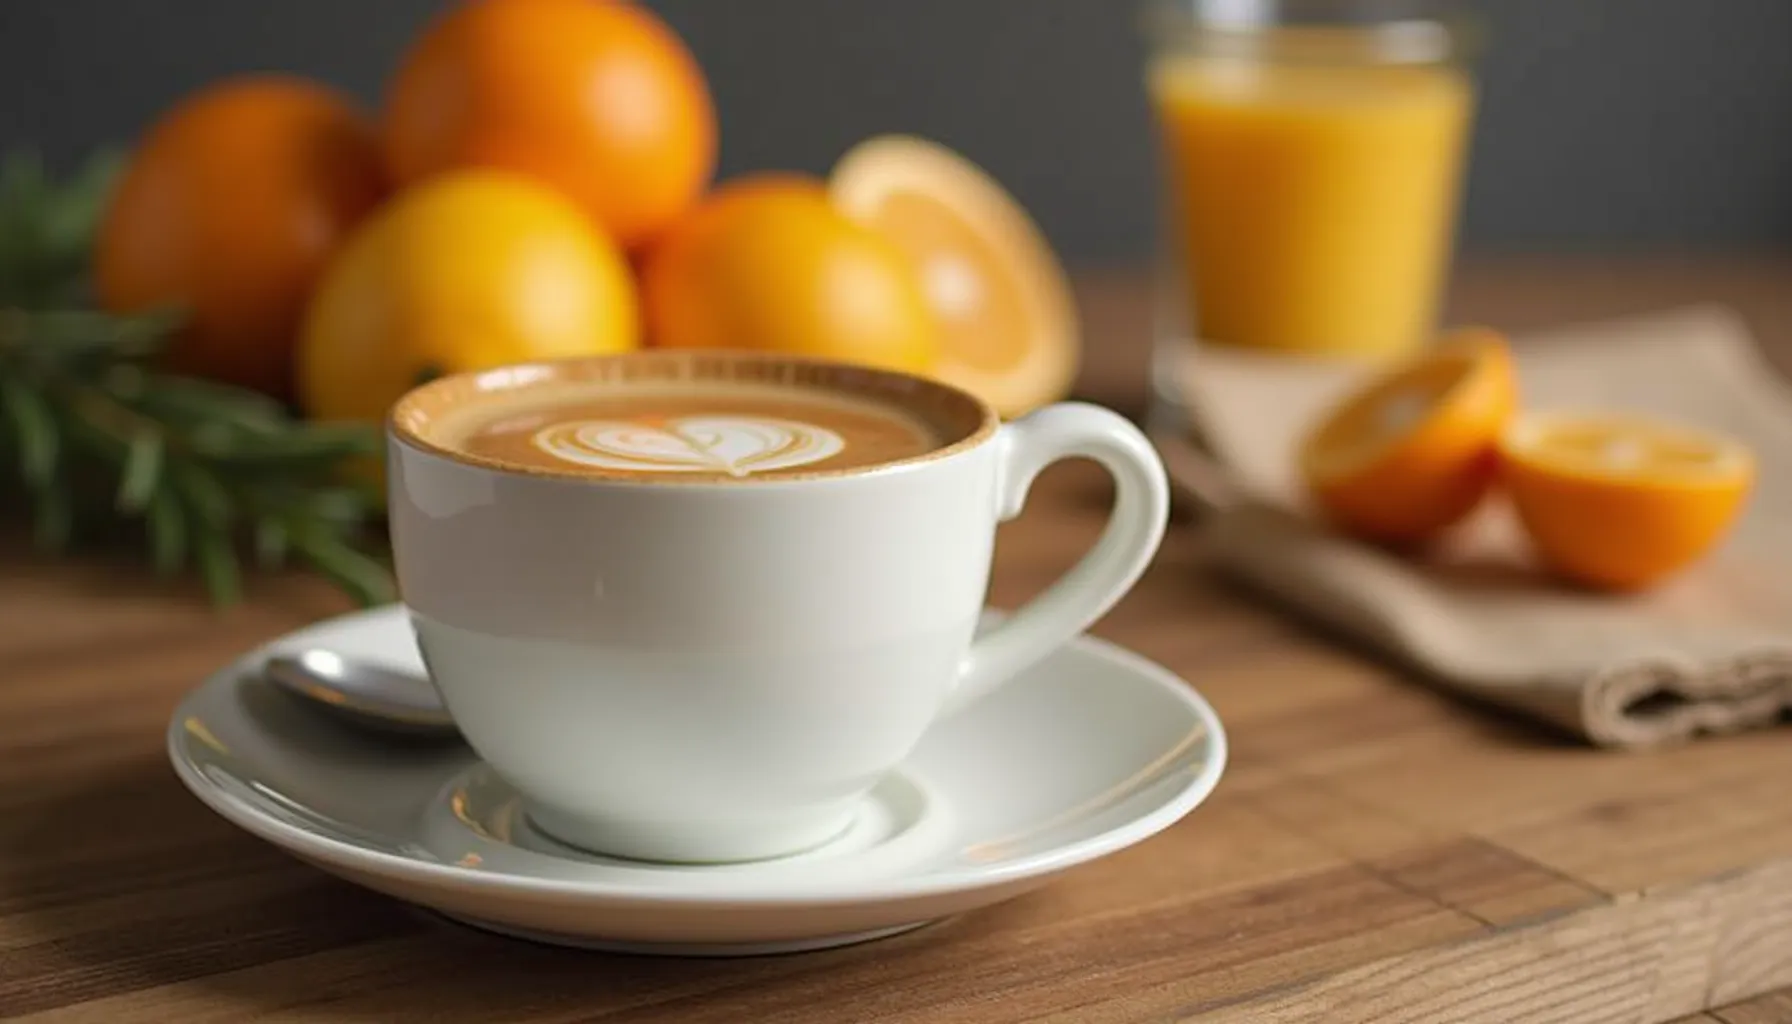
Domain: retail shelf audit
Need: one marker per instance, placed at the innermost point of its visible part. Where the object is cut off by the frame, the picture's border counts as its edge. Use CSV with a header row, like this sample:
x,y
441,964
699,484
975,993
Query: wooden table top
x,y
1376,853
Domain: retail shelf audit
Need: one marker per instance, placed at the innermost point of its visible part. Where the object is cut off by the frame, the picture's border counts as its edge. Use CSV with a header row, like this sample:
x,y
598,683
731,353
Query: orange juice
x,y
1314,204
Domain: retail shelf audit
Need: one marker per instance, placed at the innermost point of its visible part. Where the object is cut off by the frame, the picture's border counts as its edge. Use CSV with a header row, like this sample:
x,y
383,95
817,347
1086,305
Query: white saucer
x,y
1088,753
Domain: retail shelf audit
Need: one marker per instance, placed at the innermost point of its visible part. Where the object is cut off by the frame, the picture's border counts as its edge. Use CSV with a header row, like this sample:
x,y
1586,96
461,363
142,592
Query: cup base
x,y
667,844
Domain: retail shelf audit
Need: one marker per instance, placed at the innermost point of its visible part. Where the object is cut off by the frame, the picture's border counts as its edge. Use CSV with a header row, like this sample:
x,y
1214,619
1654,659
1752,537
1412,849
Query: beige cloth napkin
x,y
1710,651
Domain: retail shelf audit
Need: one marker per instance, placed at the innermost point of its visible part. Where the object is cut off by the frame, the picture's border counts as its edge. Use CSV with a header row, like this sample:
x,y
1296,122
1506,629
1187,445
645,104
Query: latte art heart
x,y
736,445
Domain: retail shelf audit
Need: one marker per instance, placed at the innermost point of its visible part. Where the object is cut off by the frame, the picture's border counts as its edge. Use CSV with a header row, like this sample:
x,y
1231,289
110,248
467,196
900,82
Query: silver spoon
x,y
368,695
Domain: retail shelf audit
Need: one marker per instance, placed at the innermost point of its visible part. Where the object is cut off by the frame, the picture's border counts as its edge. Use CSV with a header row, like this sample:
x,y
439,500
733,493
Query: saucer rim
x,y
330,852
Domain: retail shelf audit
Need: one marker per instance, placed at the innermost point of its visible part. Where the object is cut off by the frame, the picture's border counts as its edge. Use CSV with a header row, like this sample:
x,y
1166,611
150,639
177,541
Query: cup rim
x,y
407,416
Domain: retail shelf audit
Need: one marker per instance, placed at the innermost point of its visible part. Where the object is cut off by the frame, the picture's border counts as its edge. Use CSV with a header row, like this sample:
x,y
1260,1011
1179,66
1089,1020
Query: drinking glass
x,y
1312,156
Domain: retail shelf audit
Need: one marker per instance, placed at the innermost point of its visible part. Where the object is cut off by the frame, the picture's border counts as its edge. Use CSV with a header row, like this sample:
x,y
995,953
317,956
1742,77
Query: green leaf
x,y
142,471
24,187
22,178
35,427
65,329
26,263
88,418
218,567
55,516
203,495
194,401
167,531
366,580
338,504
70,220
287,450
47,227
270,543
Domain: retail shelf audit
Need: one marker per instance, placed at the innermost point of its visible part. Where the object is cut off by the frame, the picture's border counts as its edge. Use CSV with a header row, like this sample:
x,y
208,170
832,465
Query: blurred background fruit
x,y
472,270
229,210
1619,502
599,99
1413,451
1008,326
767,262
537,186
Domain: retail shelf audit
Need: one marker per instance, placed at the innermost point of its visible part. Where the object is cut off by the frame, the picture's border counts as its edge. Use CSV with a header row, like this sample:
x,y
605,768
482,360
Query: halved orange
x,y
1619,501
1009,327
1413,452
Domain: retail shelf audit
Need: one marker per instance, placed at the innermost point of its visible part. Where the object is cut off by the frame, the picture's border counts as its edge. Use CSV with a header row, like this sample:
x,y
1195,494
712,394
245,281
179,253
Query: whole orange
x,y
599,99
767,262
229,210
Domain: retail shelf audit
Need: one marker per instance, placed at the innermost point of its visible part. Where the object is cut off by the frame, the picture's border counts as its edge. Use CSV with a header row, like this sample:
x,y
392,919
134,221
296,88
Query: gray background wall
x,y
1604,124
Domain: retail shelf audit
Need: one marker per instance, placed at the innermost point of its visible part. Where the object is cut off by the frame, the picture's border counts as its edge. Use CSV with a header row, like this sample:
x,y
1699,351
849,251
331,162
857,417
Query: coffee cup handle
x,y
1092,586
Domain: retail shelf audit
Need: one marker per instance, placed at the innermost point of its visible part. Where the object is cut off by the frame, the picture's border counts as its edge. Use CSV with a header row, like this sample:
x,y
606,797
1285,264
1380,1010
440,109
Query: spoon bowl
x,y
367,695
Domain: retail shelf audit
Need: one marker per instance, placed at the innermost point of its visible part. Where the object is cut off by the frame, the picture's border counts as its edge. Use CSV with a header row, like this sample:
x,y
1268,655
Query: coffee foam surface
x,y
654,416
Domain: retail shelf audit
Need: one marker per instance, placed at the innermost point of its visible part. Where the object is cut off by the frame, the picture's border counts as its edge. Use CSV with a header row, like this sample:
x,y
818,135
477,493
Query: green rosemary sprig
x,y
100,443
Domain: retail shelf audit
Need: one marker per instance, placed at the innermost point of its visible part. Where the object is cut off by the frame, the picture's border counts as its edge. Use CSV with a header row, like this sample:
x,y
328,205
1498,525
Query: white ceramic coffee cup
x,y
713,671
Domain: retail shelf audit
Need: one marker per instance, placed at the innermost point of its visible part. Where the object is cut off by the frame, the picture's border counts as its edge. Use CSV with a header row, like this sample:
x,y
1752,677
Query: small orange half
x,y
1619,501
1414,451
1009,327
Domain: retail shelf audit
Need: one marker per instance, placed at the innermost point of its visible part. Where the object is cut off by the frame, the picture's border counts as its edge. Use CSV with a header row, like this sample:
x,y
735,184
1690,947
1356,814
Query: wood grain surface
x,y
1377,852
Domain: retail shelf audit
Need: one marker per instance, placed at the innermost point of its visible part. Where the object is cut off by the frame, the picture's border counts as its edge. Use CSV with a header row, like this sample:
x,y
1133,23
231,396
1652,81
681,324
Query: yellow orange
x,y
1008,326
1414,451
767,263
472,270
599,99
1619,501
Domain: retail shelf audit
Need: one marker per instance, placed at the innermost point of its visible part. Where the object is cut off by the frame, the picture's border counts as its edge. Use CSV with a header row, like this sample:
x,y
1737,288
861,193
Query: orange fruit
x,y
1007,323
1414,451
1617,501
599,99
768,263
228,210
469,271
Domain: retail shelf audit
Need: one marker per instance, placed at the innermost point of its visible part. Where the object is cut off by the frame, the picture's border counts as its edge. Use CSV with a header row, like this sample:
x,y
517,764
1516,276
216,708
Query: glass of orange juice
x,y
1312,159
